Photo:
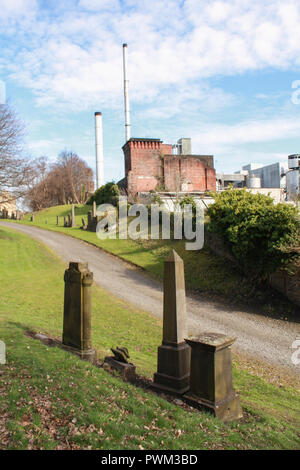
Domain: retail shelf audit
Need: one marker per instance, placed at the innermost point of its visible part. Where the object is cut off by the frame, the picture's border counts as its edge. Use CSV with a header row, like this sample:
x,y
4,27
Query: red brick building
x,y
150,165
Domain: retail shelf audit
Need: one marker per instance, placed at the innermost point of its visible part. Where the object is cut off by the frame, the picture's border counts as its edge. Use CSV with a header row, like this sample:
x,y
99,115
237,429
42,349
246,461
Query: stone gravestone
x,y
2,353
77,311
94,213
57,220
211,386
32,218
73,220
173,365
69,221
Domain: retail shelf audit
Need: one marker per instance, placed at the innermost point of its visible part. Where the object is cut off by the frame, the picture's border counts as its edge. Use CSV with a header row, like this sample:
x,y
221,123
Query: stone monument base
x,y
126,369
211,385
228,410
173,370
84,354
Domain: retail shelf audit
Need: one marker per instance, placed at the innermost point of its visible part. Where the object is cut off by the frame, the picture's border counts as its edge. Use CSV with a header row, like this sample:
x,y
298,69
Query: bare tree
x,y
68,180
78,177
15,170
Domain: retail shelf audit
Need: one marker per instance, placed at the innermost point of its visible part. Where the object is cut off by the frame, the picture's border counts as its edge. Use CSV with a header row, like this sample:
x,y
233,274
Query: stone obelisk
x,y
173,365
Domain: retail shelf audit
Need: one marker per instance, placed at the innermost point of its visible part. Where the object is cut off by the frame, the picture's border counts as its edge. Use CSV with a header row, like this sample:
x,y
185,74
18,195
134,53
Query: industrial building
x,y
152,165
293,177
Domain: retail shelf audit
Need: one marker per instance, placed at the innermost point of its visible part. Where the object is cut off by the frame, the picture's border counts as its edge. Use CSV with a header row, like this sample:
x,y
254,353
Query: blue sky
x,y
218,72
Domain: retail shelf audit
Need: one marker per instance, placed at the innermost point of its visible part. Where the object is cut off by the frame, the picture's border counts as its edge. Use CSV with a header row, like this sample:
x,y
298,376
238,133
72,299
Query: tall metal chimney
x,y
126,95
99,150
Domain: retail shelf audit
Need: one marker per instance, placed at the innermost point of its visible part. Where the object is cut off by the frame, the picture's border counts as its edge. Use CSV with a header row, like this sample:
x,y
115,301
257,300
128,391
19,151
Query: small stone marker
x,y
173,368
77,311
32,218
94,213
211,386
84,226
57,220
65,222
2,353
120,363
73,220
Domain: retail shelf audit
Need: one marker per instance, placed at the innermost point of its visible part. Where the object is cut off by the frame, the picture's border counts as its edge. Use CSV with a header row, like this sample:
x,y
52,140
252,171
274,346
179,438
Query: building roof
x,y
140,139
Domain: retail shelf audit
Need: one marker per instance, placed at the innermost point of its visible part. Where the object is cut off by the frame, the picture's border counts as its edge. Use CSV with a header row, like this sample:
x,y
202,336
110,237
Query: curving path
x,y
263,338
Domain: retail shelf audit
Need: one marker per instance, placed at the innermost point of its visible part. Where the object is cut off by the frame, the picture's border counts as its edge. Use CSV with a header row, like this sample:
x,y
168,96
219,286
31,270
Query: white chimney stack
x,y
126,95
99,150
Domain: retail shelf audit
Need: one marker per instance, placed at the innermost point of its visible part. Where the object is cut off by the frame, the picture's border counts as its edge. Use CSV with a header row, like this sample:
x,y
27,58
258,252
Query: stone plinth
x,y
211,386
92,220
126,369
77,311
173,365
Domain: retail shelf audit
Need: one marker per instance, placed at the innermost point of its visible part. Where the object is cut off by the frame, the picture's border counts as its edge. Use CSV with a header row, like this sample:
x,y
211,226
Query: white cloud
x,y
247,132
75,58
98,5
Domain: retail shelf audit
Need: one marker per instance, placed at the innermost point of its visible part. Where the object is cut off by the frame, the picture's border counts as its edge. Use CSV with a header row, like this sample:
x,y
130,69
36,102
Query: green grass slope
x,y
204,271
49,399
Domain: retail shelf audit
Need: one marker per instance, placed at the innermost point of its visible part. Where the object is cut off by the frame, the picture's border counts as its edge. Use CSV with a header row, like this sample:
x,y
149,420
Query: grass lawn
x,y
50,399
204,271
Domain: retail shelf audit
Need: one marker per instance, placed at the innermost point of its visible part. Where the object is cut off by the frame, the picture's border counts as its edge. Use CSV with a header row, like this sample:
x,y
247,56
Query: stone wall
x,y
281,280
287,284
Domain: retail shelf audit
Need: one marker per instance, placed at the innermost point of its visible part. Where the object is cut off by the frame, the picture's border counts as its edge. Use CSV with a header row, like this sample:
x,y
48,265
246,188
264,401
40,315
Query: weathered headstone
x,y
173,365
73,220
77,311
65,222
94,213
57,220
84,226
211,386
32,218
2,353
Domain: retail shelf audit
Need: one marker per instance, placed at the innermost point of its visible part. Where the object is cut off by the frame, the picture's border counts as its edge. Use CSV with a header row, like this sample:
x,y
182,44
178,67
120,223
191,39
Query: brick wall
x,y
149,163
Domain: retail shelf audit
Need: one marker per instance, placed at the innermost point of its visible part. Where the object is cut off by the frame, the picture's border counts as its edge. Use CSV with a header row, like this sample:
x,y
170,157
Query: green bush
x,y
107,194
256,230
188,200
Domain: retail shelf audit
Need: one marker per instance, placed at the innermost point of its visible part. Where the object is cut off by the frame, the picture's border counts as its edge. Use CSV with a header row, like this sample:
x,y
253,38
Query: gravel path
x,y
263,338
